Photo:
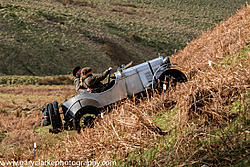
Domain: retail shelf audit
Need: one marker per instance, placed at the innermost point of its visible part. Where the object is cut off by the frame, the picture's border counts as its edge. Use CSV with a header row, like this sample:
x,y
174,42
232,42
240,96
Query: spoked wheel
x,y
85,118
171,78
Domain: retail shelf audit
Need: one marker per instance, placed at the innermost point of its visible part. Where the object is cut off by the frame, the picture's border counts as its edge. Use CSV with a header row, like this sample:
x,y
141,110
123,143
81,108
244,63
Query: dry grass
x,y
201,107
126,128
20,115
210,89
205,101
225,39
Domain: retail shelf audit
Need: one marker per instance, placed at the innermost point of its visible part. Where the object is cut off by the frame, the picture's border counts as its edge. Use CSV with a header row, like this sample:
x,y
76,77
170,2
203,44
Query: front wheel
x,y
171,78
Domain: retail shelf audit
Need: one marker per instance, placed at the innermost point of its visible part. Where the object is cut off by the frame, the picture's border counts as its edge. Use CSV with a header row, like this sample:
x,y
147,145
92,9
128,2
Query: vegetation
x,y
207,135
49,37
36,80
204,122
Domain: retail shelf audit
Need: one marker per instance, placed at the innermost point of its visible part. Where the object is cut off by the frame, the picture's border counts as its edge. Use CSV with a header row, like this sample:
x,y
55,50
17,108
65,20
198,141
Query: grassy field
x,y
49,37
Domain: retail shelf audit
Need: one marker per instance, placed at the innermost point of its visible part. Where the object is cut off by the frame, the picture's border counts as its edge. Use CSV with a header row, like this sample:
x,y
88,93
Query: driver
x,y
85,80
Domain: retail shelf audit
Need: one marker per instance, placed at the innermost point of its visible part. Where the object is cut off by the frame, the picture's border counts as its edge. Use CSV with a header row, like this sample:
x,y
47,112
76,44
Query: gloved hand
x,y
110,68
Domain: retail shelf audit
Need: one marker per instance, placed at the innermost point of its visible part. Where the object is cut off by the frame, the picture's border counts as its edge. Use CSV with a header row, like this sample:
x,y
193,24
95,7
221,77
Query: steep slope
x,y
226,39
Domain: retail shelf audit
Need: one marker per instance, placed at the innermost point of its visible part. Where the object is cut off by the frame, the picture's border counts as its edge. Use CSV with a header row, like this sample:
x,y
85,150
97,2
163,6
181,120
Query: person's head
x,y
86,71
76,71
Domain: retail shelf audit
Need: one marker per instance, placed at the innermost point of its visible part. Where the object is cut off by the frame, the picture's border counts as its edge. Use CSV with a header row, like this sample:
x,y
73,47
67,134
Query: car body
x,y
128,82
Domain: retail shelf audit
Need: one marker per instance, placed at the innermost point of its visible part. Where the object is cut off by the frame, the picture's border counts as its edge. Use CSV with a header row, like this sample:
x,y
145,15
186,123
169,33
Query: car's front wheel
x,y
171,78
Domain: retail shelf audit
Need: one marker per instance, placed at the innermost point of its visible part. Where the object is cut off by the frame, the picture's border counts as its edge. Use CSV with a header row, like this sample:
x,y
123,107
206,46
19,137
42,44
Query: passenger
x,y
77,82
84,80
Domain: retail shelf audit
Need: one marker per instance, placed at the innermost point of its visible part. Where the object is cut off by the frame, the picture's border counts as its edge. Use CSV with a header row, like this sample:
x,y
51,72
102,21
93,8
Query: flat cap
x,y
75,70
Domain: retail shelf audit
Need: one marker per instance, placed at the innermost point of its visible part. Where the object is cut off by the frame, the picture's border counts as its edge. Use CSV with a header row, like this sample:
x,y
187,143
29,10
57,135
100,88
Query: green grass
x,y
165,119
2,135
244,55
36,80
50,37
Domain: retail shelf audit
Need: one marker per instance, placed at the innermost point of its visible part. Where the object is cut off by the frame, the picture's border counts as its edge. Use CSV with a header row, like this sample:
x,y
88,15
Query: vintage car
x,y
80,110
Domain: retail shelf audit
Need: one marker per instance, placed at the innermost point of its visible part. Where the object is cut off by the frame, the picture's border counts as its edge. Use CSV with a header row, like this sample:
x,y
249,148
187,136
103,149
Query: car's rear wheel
x,y
85,118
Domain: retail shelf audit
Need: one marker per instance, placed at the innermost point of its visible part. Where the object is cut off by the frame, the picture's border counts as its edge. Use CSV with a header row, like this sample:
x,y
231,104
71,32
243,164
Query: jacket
x,y
78,86
92,82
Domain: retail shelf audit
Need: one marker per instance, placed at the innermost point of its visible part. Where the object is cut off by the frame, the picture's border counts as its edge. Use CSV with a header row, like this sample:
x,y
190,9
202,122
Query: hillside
x,y
49,37
205,121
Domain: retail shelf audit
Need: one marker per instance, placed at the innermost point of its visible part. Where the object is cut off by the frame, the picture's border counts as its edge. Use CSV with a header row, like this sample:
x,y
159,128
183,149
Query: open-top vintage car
x,y
80,110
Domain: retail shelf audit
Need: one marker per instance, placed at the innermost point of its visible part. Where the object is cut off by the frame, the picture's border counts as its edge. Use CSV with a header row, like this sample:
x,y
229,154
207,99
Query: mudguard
x,y
73,105
164,72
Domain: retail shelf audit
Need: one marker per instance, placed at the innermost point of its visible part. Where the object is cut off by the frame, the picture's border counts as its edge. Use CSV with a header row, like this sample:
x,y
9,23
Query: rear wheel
x,y
87,120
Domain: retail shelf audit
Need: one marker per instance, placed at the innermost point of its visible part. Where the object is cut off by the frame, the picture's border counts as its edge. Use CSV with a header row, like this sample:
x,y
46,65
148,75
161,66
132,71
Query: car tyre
x,y
85,118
